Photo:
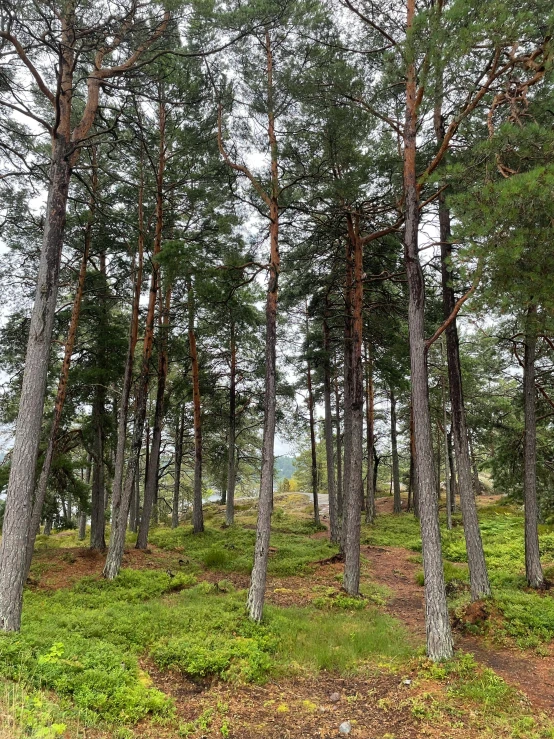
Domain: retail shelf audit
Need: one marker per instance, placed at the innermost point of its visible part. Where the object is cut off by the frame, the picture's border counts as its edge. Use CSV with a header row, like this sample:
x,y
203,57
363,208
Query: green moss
x,y
231,549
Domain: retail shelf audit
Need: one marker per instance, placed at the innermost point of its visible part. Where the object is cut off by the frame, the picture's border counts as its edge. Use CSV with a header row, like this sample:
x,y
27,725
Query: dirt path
x,y
524,670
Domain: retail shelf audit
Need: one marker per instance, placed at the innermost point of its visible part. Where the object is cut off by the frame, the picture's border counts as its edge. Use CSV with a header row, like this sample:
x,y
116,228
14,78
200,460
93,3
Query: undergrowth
x,y
527,617
231,549
87,642
469,686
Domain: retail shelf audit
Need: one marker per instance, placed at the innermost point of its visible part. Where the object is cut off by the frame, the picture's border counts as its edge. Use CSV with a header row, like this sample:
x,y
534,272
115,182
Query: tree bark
x,y
413,469
340,501
446,455
82,525
128,374
231,457
97,517
533,567
312,426
439,638
40,492
120,511
17,517
347,388
151,486
370,444
354,495
329,446
397,505
452,471
179,433
256,593
197,514
476,482
478,576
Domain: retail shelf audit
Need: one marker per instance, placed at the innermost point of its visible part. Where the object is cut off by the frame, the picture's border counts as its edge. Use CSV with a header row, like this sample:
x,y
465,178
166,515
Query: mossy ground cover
x,y
84,653
527,617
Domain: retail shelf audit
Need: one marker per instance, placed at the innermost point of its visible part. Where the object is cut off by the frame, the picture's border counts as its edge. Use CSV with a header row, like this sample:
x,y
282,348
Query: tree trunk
x,y
18,511
446,455
413,469
65,153
394,447
340,501
128,374
256,593
312,426
151,486
354,495
476,482
329,450
439,462
533,568
347,388
98,517
370,444
231,458
134,518
197,514
451,471
179,433
439,638
82,525
478,576
121,509
40,492
376,461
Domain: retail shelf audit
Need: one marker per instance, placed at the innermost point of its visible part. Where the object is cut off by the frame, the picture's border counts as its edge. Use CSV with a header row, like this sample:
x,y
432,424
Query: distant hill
x,y
284,467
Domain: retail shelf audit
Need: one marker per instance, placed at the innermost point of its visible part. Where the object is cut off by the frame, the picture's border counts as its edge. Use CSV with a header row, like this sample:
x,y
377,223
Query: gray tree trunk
x,y
98,517
179,433
256,592
197,513
119,465
347,392
370,445
82,525
437,623
533,567
313,447
451,470
329,446
354,496
478,576
394,448
446,457
340,501
17,516
476,482
151,486
231,458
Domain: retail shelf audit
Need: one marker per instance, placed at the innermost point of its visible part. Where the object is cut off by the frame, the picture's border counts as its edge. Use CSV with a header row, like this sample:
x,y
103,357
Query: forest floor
x,y
166,651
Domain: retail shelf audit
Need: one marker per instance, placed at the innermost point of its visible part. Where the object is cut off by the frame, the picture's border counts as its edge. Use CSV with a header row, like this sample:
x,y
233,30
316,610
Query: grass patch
x,y
336,640
231,549
525,616
86,642
468,686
